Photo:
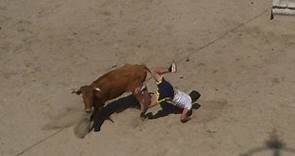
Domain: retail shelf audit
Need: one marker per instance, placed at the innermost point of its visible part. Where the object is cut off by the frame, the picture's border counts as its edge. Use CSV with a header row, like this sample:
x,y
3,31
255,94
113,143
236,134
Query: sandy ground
x,y
241,62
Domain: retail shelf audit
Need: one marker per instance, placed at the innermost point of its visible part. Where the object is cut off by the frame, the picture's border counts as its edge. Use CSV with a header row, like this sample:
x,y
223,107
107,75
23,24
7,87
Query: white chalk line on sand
x,y
221,36
39,142
177,61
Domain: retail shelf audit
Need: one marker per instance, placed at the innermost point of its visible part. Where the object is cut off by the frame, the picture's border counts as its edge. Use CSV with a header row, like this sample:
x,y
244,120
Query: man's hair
x,y
194,95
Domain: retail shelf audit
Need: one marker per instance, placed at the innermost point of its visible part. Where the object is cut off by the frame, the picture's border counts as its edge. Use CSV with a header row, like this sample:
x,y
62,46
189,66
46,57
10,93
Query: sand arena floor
x,y
240,61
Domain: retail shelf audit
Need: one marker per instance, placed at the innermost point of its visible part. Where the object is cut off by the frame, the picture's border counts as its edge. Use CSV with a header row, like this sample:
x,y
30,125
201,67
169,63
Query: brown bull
x,y
128,78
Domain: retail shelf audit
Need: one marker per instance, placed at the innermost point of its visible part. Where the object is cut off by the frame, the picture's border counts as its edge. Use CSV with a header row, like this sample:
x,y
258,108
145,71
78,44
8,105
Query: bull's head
x,y
87,95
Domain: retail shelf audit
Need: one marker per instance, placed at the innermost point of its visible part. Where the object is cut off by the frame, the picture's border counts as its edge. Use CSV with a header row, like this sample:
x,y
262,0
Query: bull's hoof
x,y
142,119
149,115
96,129
142,116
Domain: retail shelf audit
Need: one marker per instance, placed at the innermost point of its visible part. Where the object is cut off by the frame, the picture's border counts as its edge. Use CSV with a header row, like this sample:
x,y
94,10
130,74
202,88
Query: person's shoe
x,y
173,68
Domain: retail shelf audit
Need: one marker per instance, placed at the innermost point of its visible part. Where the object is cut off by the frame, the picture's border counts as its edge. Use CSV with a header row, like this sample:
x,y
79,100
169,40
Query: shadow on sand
x,y
168,108
130,101
116,106
273,144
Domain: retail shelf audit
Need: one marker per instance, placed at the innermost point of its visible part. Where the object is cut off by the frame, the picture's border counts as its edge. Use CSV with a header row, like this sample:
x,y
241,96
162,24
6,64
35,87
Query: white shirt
x,y
182,100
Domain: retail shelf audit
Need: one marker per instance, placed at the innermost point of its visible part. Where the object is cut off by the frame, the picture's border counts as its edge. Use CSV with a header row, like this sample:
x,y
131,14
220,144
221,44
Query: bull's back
x,y
118,81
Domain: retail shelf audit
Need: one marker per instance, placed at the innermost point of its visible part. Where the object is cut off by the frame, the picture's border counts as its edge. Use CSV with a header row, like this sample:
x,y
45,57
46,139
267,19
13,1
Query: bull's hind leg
x,y
142,95
143,101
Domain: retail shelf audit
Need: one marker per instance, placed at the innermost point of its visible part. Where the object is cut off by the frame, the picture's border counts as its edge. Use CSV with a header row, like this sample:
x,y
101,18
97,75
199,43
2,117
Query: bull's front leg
x,y
96,117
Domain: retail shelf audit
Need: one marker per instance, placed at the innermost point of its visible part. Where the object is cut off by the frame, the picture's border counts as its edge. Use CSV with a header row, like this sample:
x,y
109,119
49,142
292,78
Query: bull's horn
x,y
97,89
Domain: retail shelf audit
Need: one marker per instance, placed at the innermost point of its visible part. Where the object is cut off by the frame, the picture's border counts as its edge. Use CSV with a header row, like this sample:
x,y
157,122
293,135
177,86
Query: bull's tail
x,y
148,70
109,118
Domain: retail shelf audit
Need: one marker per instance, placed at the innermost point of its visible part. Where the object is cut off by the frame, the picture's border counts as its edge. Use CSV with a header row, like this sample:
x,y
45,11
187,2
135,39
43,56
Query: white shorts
x,y
182,100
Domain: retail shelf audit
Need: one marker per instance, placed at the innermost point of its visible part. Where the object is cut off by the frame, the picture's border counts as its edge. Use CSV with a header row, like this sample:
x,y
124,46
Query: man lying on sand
x,y
167,93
